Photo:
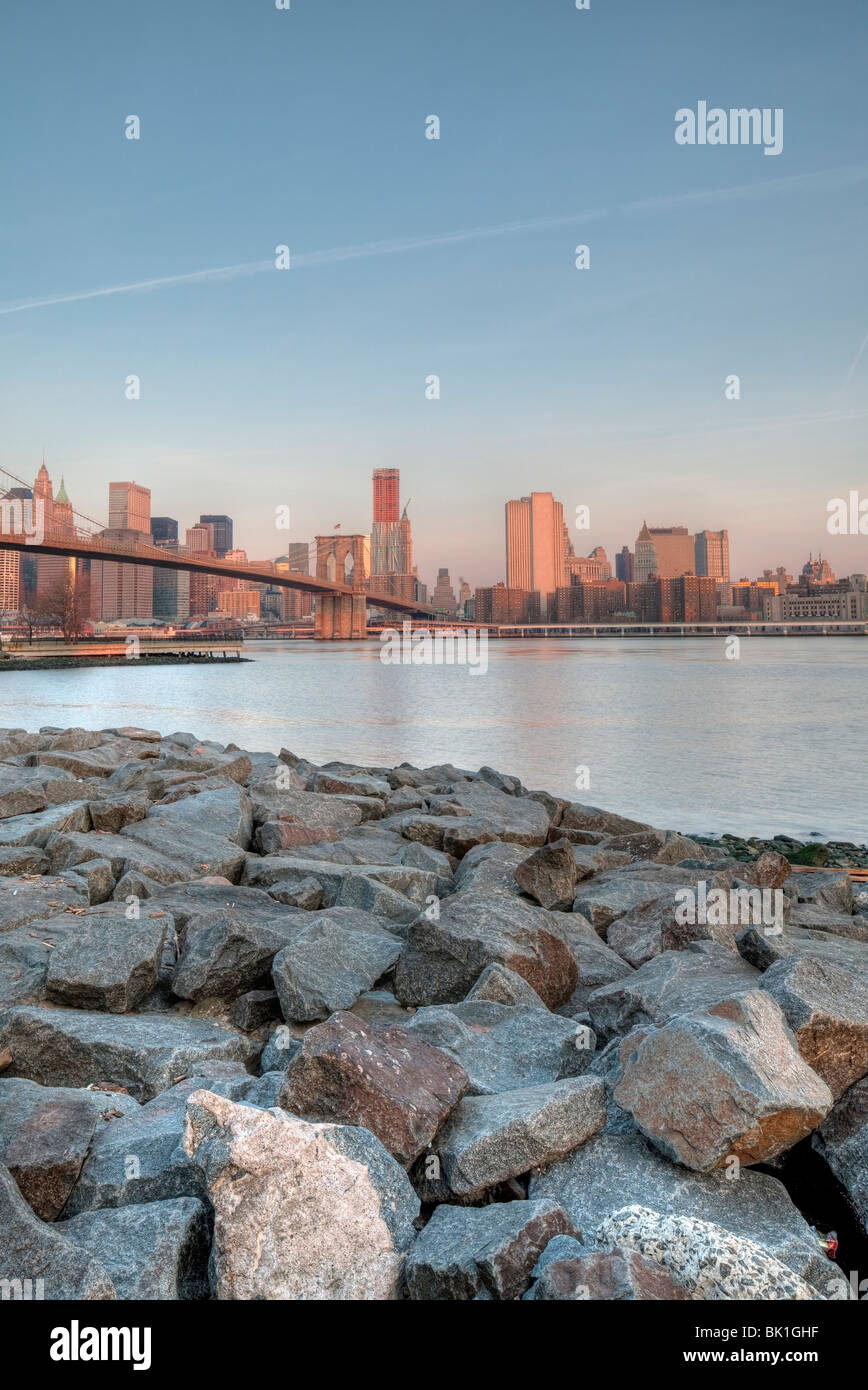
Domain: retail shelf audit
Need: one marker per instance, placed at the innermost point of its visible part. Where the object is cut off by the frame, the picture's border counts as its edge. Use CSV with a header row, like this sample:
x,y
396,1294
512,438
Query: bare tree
x,y
66,603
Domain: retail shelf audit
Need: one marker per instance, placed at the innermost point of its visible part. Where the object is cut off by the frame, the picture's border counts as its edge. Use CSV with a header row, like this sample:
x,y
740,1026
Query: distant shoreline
x,y
49,663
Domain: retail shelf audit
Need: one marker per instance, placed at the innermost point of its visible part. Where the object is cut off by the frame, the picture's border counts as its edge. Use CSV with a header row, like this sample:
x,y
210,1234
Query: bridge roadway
x,y
95,548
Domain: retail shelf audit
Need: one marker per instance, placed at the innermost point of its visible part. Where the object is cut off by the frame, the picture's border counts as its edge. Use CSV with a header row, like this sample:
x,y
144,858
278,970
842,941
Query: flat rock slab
x,y
37,828
45,1134
24,900
501,1047
482,1253
826,1006
342,953
38,1261
301,1211
144,1053
110,962
388,1080
156,1251
443,958
198,849
708,1262
488,1139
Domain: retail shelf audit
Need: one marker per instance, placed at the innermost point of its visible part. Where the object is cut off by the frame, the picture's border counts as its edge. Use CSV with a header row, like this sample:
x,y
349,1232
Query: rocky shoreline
x,y
272,1030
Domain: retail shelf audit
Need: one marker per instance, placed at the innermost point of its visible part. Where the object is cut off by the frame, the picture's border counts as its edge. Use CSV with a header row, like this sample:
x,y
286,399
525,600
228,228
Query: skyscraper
x,y
535,557
222,533
712,555
164,529
391,539
443,597
624,565
387,487
667,551
129,508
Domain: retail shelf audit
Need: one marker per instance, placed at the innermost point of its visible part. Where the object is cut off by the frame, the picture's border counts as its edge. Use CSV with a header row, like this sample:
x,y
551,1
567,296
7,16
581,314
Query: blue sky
x,y
261,388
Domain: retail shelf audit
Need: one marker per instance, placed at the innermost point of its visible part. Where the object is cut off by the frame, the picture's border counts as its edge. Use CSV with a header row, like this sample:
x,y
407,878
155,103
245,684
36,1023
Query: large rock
x,y
708,1262
25,955
826,1005
144,1053
610,1171
501,1048
579,817
549,875
156,1251
301,1211
24,900
490,868
610,1276
842,1142
37,1262
224,954
388,1080
444,957
111,962
723,1082
339,955
603,900
36,829
673,983
138,1158
596,962
498,985
762,948
192,845
830,888
45,1134
488,1139
651,928
482,1253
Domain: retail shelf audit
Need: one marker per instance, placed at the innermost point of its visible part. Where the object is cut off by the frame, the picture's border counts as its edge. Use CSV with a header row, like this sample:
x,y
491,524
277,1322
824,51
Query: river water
x,y
670,731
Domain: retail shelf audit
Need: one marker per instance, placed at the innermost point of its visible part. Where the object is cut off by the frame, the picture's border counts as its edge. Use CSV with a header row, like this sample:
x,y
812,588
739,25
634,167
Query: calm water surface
x,y
672,732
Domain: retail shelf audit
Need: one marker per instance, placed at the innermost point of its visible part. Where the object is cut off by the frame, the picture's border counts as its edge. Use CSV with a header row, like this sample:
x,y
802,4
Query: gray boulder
x,y
443,958
110,962
334,959
482,1253
144,1053
37,1262
156,1251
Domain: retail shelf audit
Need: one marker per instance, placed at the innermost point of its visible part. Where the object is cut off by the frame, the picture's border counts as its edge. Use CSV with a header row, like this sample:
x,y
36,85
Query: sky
x,y
411,257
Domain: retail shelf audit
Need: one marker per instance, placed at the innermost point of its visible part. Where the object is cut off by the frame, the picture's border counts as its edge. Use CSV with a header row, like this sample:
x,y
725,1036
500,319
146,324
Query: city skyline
x,y
454,257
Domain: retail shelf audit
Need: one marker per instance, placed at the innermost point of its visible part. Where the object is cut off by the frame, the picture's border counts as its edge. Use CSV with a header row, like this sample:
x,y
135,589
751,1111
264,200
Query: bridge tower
x,y
342,560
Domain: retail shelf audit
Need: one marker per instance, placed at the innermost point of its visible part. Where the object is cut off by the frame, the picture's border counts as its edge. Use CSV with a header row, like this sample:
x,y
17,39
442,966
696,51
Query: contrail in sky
x,y
312,259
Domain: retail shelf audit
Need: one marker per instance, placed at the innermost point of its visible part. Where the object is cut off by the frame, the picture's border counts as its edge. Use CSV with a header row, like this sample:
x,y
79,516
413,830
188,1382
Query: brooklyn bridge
x,y
342,584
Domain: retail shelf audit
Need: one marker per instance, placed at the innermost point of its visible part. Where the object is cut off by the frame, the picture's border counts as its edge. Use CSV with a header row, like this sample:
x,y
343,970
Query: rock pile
x,y
270,1030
